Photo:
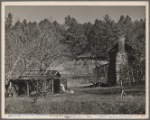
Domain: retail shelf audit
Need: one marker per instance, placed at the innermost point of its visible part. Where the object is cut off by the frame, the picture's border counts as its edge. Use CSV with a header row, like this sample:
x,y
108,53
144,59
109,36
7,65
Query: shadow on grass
x,y
130,90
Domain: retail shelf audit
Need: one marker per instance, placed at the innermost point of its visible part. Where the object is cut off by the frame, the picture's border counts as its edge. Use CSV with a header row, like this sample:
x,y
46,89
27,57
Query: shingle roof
x,y
36,74
91,56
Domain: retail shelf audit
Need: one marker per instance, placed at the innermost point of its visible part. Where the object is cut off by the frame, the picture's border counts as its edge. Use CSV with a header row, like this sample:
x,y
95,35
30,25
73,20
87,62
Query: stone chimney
x,y
121,43
121,58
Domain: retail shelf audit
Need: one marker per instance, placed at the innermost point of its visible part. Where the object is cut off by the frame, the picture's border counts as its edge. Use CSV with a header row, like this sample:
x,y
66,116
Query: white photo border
x,y
71,3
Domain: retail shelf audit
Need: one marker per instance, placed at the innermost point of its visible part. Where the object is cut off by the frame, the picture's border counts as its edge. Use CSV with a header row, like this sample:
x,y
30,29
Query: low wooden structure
x,y
41,81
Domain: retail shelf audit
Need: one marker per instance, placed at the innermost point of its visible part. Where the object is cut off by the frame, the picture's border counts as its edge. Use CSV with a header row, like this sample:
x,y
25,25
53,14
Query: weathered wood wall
x,y
101,74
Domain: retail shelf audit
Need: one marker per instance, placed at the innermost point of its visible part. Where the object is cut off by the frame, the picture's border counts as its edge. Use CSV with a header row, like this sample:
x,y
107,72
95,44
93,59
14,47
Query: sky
x,y
81,13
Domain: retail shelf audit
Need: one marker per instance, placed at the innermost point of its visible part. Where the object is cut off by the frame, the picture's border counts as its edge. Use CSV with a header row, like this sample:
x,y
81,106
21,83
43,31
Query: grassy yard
x,y
84,101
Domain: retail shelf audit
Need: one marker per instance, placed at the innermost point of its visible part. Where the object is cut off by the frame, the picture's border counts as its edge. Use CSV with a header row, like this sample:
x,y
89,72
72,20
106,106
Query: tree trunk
x,y
11,72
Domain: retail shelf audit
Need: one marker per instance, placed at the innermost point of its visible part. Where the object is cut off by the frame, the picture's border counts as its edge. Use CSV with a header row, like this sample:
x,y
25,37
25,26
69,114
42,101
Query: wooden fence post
x,y
52,86
28,89
37,86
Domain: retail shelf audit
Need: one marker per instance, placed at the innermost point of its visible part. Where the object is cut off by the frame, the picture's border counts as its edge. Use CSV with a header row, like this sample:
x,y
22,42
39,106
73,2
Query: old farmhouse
x,y
109,72
120,55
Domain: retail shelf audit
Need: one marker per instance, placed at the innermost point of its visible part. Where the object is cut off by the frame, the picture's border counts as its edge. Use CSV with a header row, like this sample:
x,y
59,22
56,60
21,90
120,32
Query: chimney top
x,y
122,35
121,42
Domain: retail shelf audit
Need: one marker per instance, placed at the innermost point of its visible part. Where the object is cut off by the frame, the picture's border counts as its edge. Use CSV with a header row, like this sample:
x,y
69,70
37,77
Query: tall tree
x,y
103,36
9,21
125,26
74,36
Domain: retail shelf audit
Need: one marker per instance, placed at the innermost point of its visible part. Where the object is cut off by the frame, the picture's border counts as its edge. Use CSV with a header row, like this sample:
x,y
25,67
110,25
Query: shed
x,y
46,81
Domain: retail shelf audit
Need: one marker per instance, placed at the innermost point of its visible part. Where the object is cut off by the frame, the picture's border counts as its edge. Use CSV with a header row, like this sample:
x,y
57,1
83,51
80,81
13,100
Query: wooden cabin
x,y
121,54
42,81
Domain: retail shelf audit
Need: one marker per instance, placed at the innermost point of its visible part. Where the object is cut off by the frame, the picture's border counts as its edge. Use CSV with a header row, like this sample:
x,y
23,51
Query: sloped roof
x,y
36,74
128,48
91,56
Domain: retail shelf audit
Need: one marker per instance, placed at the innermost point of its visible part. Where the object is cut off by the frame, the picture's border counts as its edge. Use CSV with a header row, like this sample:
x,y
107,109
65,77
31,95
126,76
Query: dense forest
x,y
32,45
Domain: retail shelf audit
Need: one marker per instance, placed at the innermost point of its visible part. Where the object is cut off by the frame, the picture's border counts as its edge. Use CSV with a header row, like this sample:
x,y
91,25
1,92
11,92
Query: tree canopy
x,y
37,45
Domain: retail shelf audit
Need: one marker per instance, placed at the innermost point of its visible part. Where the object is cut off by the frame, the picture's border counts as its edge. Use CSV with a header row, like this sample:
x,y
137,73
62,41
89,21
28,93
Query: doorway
x,y
56,86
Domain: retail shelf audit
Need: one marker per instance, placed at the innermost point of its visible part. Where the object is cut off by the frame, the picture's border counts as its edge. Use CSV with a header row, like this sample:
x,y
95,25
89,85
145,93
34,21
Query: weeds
x,y
78,103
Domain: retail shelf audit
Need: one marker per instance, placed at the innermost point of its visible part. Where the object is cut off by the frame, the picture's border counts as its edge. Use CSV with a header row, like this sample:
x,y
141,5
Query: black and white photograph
x,y
75,60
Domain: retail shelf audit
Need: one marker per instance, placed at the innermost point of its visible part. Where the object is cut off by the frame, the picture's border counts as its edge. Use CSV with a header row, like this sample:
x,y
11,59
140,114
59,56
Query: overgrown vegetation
x,y
38,45
83,101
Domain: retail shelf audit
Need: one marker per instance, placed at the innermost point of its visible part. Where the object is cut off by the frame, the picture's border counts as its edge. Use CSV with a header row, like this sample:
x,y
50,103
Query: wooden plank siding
x,y
39,81
101,74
